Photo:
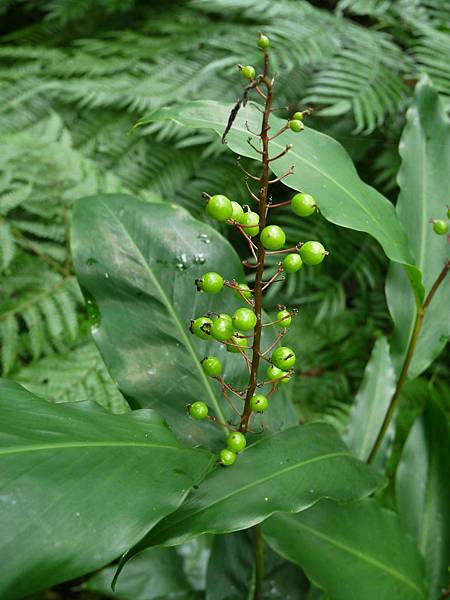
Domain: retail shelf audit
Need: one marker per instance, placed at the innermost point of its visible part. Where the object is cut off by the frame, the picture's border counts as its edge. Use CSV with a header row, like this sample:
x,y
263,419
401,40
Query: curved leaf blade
x,y
80,485
352,551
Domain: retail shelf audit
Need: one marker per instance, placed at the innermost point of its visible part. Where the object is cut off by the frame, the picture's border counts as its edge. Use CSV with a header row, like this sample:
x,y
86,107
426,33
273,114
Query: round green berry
x,y
259,403
296,125
284,358
286,318
303,205
198,410
227,457
312,253
273,237
251,218
244,319
211,366
440,227
221,329
263,41
211,283
236,441
244,289
222,316
248,72
238,212
297,116
219,207
236,343
292,263
201,327
277,375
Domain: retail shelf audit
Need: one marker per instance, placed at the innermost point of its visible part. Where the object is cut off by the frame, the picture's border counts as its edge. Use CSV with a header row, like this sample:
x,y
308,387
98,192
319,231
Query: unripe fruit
x,y
248,72
221,329
272,237
312,253
210,283
277,375
440,227
219,207
227,457
235,343
303,205
222,316
238,212
198,410
251,218
284,358
292,263
259,403
201,327
244,319
286,316
211,366
296,125
236,441
263,41
245,290
298,116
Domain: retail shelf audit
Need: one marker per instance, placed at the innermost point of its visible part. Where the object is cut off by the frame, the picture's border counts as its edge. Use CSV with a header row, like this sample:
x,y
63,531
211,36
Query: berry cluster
x,y
241,332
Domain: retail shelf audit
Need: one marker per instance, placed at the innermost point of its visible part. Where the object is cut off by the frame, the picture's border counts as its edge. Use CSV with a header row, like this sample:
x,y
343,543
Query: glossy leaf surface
x,y
424,179
79,486
137,263
352,551
422,491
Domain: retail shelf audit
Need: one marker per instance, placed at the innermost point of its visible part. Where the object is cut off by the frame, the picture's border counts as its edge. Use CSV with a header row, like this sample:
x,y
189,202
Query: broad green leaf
x,y
322,168
372,401
352,551
422,490
80,485
424,180
287,471
137,263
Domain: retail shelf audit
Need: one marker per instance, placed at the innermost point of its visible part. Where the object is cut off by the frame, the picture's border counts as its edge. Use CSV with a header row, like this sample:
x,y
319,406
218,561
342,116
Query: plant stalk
x,y
258,546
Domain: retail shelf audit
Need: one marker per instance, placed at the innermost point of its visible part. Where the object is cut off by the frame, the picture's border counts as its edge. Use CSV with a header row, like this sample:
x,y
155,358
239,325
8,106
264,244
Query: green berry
x,y
312,253
227,457
211,366
238,212
248,72
221,329
201,327
303,205
292,263
244,319
259,403
236,342
251,218
245,290
286,316
222,316
284,358
198,410
297,116
219,207
263,41
274,374
440,227
296,125
211,283
236,441
272,237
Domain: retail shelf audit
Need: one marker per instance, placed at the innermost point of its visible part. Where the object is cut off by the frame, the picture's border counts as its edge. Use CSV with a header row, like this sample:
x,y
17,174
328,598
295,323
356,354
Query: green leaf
x,y
423,177
356,550
322,168
287,471
79,486
137,263
372,401
422,492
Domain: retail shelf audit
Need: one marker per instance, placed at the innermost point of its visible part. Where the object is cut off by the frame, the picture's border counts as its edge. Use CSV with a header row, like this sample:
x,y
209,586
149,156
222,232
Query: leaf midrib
x,y
69,445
